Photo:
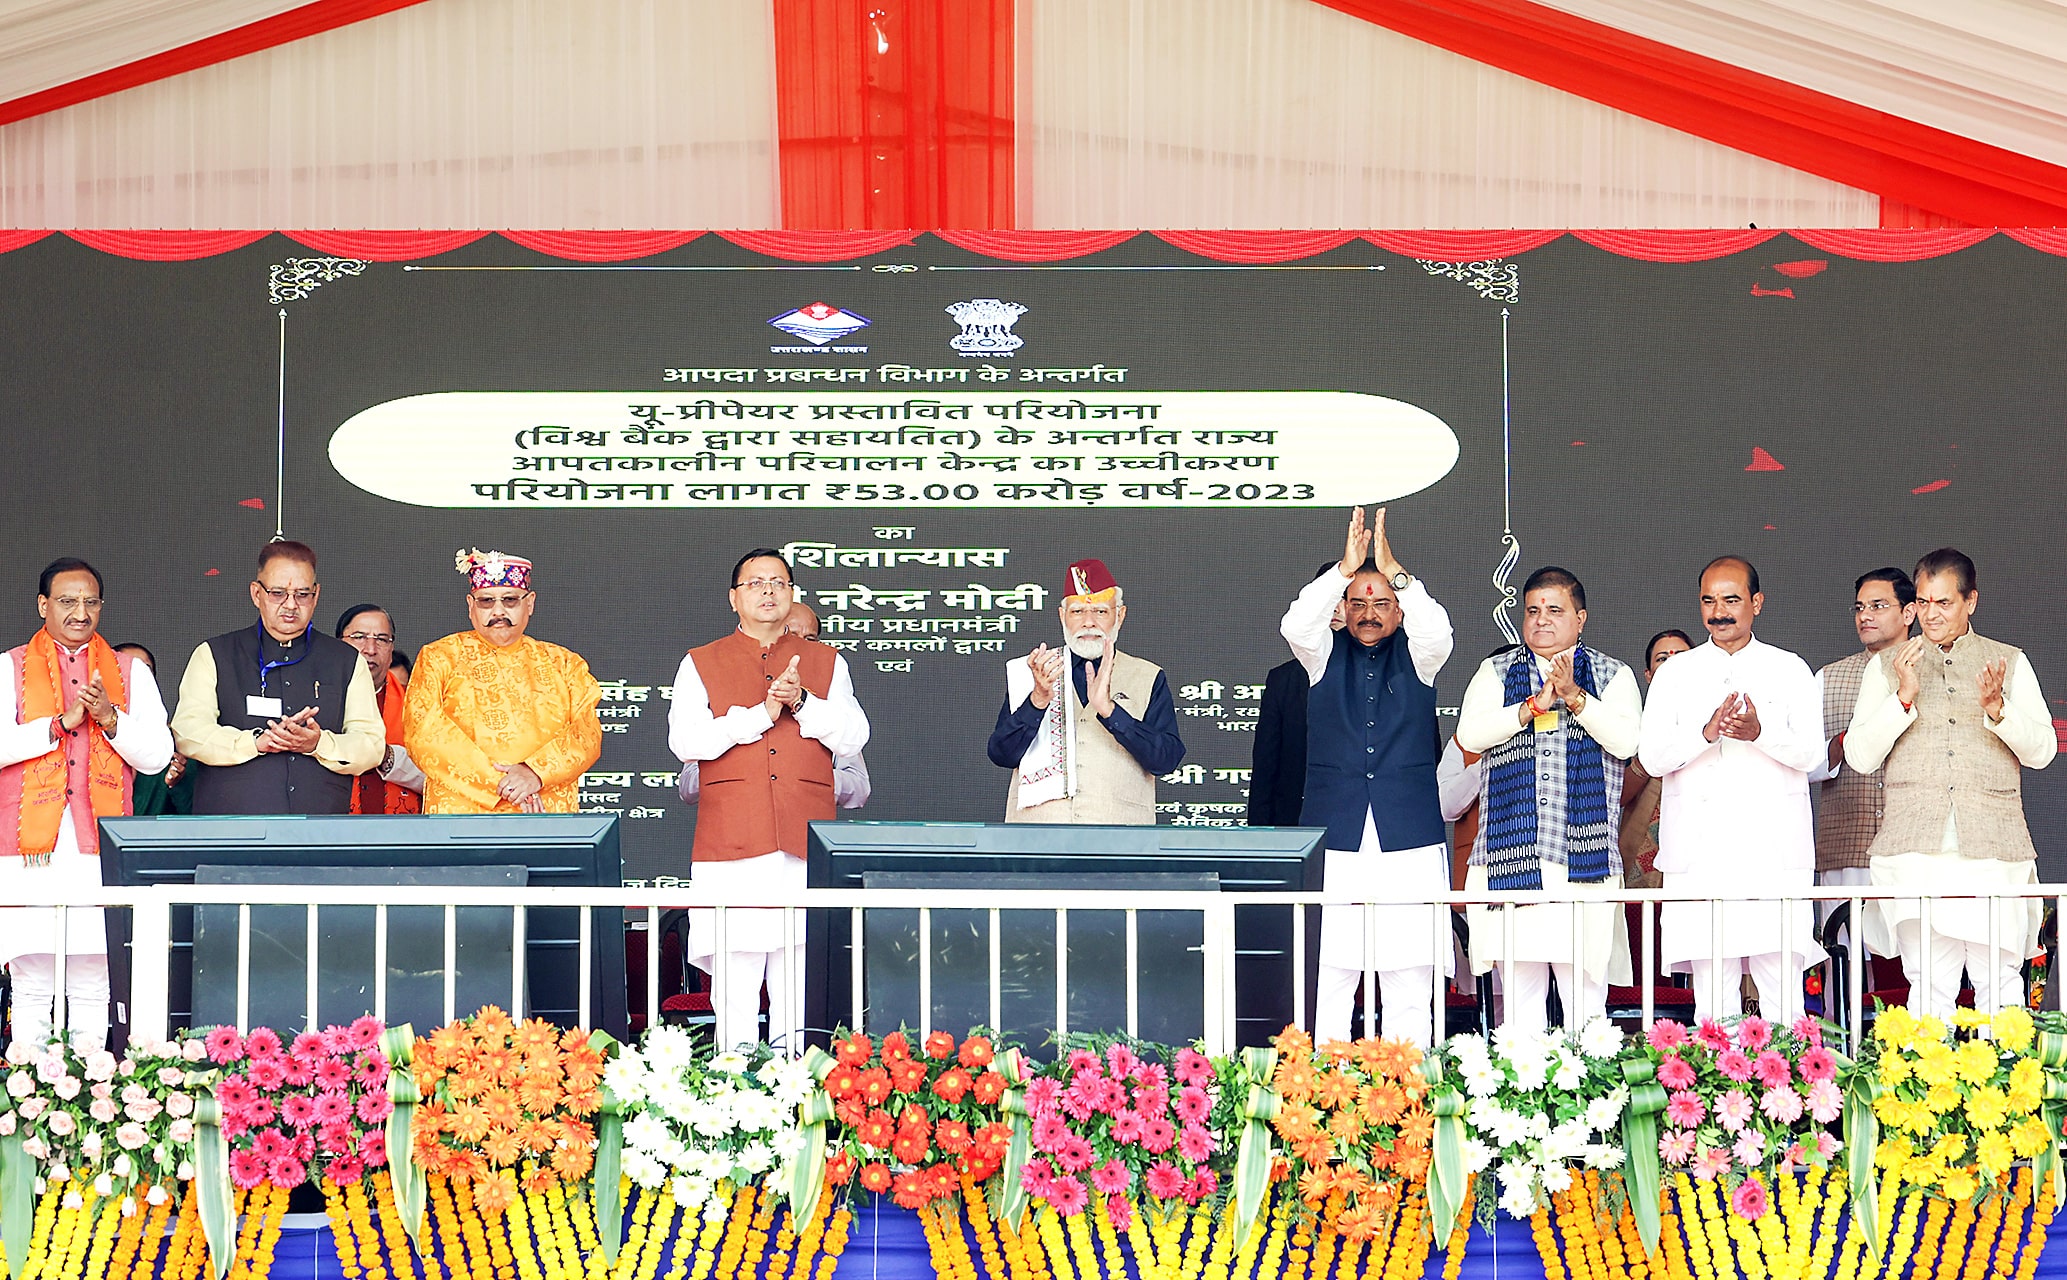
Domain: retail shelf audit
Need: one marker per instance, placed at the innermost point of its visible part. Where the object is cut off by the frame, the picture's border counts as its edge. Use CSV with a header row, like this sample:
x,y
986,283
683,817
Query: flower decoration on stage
x,y
1355,1125
914,1115
1752,1097
1122,1122
704,1126
90,1123
304,1108
1539,1105
507,1100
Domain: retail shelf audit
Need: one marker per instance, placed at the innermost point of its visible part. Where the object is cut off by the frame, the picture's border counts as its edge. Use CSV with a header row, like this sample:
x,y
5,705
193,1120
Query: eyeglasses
x,y
69,603
508,602
305,596
765,584
1878,606
380,638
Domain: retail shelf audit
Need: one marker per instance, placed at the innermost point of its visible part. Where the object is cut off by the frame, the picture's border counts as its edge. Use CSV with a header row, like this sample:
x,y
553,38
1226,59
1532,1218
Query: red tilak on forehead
x,y
1370,589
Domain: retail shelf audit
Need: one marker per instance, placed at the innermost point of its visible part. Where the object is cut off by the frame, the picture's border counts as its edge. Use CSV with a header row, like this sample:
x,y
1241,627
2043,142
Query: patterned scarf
x,y
1512,808
44,795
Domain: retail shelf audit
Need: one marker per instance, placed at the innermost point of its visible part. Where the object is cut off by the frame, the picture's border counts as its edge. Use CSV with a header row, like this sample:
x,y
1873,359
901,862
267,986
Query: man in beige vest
x,y
1087,748
1955,717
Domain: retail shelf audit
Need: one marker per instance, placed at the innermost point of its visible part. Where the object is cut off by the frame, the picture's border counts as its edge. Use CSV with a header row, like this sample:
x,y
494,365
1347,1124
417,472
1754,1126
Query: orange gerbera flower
x,y
1418,1128
575,1133
1294,1079
502,1110
1292,1042
538,1093
539,1179
469,1123
501,1146
1413,1165
584,1102
573,1163
492,1196
446,1045
536,1137
467,1080
1383,1103
574,1038
1357,1223
1335,1090
499,1063
1315,1148
1381,1158
1353,1183
1396,1057
1345,1125
1295,1120
492,1024
536,1034
1315,1184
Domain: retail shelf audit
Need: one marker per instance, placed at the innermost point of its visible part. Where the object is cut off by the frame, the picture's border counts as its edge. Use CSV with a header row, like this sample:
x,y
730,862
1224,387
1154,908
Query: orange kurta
x,y
472,705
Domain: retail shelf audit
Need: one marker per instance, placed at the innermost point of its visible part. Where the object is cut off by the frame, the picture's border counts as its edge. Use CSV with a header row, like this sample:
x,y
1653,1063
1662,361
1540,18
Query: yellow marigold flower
x,y
2029,1137
1941,1098
1949,1147
1895,1027
1958,1185
1994,1154
1895,1065
1977,1061
1988,1108
2013,1028
1895,1152
1968,1019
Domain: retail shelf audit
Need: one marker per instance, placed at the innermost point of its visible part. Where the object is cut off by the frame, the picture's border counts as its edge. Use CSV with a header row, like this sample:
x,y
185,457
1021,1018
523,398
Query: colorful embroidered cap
x,y
1089,578
493,569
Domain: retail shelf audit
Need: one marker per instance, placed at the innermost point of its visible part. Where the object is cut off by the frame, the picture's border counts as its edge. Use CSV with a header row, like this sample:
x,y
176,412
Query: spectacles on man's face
x,y
69,603
306,595
380,638
764,584
1875,606
509,601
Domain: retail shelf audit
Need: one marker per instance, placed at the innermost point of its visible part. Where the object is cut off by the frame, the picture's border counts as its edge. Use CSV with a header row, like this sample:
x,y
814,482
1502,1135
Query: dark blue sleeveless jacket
x,y
1372,742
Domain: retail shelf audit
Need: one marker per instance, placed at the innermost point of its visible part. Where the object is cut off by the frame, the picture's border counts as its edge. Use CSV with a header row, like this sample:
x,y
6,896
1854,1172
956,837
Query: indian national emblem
x,y
986,327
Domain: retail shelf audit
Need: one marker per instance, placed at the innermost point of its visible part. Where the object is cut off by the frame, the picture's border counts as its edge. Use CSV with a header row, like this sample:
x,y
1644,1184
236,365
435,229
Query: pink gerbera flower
x,y
371,1070
1818,1064
234,1093
1164,1182
1782,1104
1068,1197
1195,1143
1711,1035
373,1148
1121,1212
1192,1104
297,1070
263,1042
1826,1144
1684,1109
1825,1103
332,1107
1733,1063
247,1169
337,1041
267,1073
270,1144
345,1170
1754,1033
1676,1148
1807,1030
1711,1163
1750,1148
1037,1177
309,1044
1083,1062
1157,1136
1733,1110
287,1172
1676,1072
1127,1127
1772,1069
1120,1060
298,1110
1112,1177
366,1032
1075,1154
1042,1094
1194,1067
332,1073
1666,1035
1749,1201
1074,1104
1049,1131
1204,1183
224,1047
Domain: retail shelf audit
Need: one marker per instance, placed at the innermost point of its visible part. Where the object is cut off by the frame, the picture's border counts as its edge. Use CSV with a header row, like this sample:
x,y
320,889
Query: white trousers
x,y
1528,1003
86,998
736,997
1718,993
1406,999
1949,956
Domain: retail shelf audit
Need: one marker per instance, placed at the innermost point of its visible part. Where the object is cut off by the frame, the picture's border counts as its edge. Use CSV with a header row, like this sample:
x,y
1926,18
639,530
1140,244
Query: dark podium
x,y
462,852
1089,860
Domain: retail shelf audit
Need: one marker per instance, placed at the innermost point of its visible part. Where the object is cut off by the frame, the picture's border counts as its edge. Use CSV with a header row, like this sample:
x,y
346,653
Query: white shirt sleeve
x,y
1790,717
695,733
1485,720
836,720
1670,737
1824,770
19,742
1878,721
1457,783
2026,727
1305,624
1429,634
142,737
404,772
851,787
1615,718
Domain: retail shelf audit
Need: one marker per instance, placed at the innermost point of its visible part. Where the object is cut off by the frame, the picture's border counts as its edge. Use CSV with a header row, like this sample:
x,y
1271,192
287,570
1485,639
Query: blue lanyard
x,y
267,668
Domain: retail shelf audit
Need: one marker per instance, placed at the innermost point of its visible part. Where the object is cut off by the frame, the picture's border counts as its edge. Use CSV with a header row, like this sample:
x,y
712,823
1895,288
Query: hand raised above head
x,y
1356,546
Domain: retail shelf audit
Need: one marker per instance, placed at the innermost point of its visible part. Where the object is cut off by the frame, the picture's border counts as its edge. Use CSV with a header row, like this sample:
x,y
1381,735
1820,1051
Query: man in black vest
x,y
278,717
1371,749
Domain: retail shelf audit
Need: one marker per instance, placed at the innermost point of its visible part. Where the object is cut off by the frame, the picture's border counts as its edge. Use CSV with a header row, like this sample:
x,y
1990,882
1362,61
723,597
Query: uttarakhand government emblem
x,y
986,327
819,323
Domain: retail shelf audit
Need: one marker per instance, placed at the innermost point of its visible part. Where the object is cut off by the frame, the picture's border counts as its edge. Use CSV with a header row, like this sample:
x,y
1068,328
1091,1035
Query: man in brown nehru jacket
x,y
764,712
1850,804
1956,717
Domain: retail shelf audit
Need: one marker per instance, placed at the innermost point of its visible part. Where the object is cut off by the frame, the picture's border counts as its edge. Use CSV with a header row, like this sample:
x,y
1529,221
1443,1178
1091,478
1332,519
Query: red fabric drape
x,y
894,113
1036,246
1460,246
166,246
2044,239
385,246
1958,177
601,246
12,240
1892,246
308,20
819,246
1255,246
1675,246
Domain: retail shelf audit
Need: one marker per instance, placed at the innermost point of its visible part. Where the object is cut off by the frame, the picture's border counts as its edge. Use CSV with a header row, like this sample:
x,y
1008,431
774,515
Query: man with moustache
x,y
1733,729
1277,764
1641,791
1086,743
1371,749
395,785
253,708
87,721
498,721
760,703
1556,720
1954,718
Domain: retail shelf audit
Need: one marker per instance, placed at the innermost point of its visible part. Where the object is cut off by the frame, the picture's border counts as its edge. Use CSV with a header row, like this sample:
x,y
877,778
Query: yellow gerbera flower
x,y
1895,1027
1968,1019
1993,1154
2029,1137
1949,1147
1958,1185
1987,1108
1941,1098
1895,1153
2013,1028
1977,1061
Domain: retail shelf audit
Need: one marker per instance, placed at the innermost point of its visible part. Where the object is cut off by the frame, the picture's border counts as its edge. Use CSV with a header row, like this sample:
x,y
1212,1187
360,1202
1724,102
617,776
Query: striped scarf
x,y
1512,804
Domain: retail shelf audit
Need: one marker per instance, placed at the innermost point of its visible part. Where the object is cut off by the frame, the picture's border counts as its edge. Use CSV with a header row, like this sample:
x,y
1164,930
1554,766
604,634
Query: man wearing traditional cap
x,y
1371,752
279,716
500,722
762,701
87,721
1086,749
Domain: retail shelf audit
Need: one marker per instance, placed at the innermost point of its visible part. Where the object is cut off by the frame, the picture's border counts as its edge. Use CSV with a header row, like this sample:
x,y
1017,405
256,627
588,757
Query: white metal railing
x,y
153,908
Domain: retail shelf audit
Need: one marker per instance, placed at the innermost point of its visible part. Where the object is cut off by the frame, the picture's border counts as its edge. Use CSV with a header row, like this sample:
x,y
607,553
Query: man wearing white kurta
x,y
1733,728
1956,718
86,721
1557,721
1372,747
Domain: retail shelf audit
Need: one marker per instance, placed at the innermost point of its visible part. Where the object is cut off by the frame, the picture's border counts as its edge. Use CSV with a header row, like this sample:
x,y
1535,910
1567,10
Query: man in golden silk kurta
x,y
497,721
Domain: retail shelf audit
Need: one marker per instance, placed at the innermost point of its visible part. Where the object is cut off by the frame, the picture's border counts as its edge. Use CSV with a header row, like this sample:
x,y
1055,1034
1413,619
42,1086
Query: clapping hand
x,y
1742,724
1098,690
1906,679
1045,665
788,687
1991,680
298,733
1356,548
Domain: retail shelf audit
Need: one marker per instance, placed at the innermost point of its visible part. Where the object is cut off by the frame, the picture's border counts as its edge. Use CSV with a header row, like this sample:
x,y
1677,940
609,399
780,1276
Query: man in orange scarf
x,y
86,721
395,785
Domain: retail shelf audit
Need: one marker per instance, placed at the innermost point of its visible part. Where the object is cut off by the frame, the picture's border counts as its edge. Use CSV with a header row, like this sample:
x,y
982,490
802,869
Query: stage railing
x,y
153,909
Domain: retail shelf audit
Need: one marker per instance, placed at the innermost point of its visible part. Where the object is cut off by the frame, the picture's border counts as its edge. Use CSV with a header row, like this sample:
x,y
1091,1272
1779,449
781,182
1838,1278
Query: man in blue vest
x,y
1371,749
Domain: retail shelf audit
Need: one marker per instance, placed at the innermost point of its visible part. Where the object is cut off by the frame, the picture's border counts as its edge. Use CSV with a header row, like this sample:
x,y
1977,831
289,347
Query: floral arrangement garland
x,y
306,1109
107,1125
1956,1114
1116,1123
913,1123
701,1126
506,1104
1355,1124
1744,1100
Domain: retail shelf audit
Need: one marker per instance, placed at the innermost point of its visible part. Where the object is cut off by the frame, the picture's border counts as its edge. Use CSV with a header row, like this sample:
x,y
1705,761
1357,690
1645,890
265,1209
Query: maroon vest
x,y
758,796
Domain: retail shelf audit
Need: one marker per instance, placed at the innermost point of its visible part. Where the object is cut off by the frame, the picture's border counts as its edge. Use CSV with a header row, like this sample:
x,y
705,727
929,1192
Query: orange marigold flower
x,y
1383,1103
1294,1079
1292,1042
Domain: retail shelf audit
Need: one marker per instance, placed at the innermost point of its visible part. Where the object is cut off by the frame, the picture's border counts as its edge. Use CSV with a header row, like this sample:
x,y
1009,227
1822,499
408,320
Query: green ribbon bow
x,y
1447,1176
17,1197
812,1114
398,1045
1862,1141
1640,1143
2051,1053
1011,1194
212,1183
606,1179
1252,1162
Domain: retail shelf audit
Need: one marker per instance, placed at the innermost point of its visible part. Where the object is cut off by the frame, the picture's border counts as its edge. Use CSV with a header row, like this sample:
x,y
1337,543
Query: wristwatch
x,y
1401,579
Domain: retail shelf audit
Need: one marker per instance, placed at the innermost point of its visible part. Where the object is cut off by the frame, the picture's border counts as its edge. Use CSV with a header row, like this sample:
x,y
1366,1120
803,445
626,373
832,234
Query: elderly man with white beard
x,y
1087,749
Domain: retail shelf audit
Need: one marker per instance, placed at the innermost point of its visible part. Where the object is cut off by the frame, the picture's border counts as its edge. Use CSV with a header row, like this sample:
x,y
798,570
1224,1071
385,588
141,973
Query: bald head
x,y
801,621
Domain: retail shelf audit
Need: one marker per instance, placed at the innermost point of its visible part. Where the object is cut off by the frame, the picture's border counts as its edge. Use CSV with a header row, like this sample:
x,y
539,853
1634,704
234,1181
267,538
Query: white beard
x,y
1090,648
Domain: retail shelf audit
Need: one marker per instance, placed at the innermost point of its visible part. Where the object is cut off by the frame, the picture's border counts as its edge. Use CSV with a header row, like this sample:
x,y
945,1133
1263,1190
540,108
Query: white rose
x,y
20,1084
124,1166
185,1172
66,1087
182,1131
8,1124
156,1195
179,1104
35,1148
104,1185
